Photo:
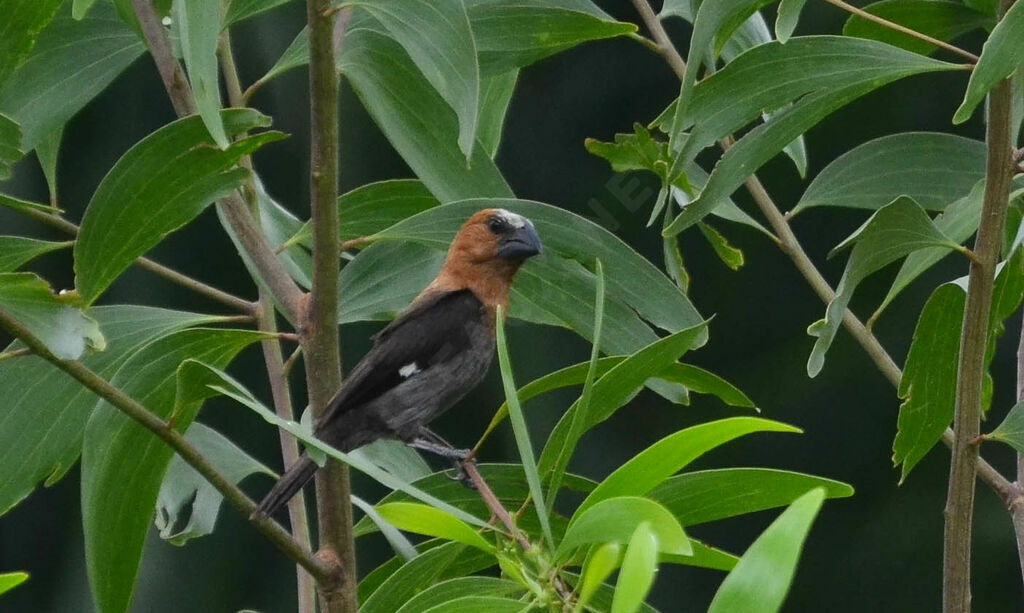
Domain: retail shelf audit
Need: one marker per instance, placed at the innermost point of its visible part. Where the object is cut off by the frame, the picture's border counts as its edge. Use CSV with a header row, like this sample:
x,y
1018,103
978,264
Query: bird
x,y
430,355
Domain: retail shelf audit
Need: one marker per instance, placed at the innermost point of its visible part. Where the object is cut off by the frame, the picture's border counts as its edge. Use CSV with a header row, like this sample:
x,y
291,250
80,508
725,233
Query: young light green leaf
x,y
522,433
47,151
9,581
17,250
123,463
815,88
914,164
615,519
23,21
635,286
460,587
936,18
495,96
451,68
71,63
617,387
639,565
580,415
414,117
762,577
710,495
894,231
65,330
1000,57
187,505
1011,429
30,452
730,256
427,520
197,23
159,185
227,386
401,545
600,564
652,466
516,33
958,221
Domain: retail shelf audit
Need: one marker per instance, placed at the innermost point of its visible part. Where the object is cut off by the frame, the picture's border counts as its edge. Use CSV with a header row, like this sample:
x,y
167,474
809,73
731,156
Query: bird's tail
x,y
287,486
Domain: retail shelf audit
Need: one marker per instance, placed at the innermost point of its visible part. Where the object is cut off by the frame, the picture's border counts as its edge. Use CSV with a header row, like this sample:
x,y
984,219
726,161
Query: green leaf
x,y
17,250
581,412
1000,57
652,466
243,9
495,96
383,279
221,383
460,587
639,564
10,145
480,604
517,33
401,545
123,463
1011,429
730,256
71,63
894,231
30,452
418,574
294,56
65,330
914,164
696,379
279,224
187,505
787,18
19,204
9,581
560,287
159,185
23,22
617,387
47,151
959,221
395,457
711,495
819,74
451,68
80,7
614,520
704,556
762,577
414,117
423,519
603,560
936,18
519,428
197,23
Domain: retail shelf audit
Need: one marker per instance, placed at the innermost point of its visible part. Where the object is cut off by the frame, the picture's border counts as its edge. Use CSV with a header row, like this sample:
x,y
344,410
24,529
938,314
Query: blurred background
x,y
879,550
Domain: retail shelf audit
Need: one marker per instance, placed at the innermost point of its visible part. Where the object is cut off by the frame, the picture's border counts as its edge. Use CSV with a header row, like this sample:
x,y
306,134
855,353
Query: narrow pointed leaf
x,y
639,565
495,96
896,230
1000,57
19,204
9,581
760,581
47,151
429,521
198,26
601,563
787,18
159,185
614,520
17,250
939,19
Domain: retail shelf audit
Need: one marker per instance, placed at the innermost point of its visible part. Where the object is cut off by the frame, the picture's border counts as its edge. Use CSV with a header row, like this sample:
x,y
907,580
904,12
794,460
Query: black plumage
x,y
431,355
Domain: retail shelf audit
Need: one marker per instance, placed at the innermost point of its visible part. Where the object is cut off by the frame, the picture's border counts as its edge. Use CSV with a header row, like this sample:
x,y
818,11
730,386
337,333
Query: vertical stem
x,y
1016,504
956,585
319,331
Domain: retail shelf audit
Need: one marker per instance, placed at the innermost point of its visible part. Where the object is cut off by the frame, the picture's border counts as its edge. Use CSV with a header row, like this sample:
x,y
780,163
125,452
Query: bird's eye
x,y
497,224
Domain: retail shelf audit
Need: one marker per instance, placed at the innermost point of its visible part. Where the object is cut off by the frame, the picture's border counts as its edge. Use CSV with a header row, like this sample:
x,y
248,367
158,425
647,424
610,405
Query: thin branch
x,y
287,295
789,244
15,353
956,592
319,329
169,274
1017,504
904,30
174,439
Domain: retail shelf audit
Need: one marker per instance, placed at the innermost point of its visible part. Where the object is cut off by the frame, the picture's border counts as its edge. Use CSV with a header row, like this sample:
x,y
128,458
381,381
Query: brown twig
x,y
788,243
174,439
956,592
15,353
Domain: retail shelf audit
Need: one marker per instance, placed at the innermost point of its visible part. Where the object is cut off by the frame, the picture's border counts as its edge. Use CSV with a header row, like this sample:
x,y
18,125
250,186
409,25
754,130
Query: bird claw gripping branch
x,y
431,355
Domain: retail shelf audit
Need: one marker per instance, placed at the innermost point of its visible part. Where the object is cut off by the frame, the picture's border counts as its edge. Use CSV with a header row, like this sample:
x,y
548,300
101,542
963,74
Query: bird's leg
x,y
427,440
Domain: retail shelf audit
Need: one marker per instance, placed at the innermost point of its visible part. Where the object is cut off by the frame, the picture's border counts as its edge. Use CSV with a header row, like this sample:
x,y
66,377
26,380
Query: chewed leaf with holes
x,y
65,330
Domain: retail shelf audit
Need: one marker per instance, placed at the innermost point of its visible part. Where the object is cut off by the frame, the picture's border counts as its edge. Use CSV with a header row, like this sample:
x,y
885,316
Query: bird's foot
x,y
461,474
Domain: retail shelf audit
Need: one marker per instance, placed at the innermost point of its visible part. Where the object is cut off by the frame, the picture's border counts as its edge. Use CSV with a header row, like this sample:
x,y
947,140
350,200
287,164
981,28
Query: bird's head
x,y
487,251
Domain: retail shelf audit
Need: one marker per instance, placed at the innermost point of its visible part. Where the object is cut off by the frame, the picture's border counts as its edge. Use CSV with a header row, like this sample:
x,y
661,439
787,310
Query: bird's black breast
x,y
421,364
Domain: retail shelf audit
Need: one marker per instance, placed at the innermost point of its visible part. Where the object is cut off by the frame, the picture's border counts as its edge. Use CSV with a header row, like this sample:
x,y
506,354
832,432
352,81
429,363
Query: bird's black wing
x,y
425,334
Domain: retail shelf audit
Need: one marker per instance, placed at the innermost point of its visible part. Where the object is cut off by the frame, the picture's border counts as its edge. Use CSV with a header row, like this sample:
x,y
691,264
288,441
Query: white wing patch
x,y
409,370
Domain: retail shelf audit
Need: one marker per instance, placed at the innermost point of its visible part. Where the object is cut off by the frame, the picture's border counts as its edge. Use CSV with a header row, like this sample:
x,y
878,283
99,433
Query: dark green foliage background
x,y
879,550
